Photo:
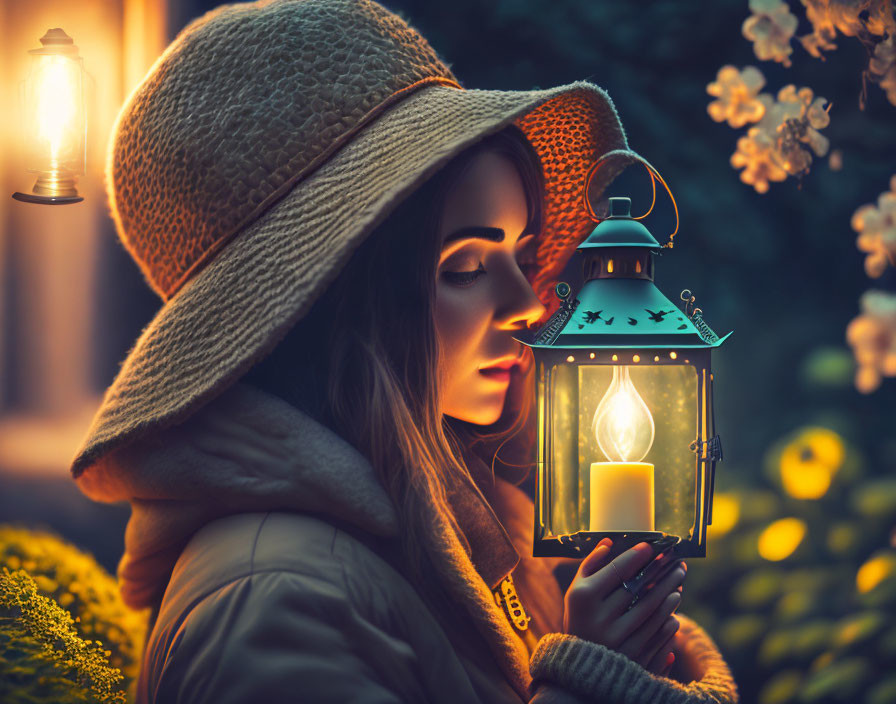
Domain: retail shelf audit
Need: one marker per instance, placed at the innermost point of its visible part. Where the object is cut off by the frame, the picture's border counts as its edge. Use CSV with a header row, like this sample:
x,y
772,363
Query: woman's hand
x,y
595,604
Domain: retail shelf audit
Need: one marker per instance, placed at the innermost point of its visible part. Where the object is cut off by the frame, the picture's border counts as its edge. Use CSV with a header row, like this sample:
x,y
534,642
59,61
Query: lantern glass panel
x,y
569,444
54,114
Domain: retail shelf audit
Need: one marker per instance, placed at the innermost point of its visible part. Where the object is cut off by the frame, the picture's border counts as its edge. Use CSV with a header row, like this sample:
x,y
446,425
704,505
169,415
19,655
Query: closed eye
x,y
463,278
527,265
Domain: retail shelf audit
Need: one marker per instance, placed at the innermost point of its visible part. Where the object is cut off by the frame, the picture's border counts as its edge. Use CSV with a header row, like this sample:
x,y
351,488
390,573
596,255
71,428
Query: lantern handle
x,y
654,175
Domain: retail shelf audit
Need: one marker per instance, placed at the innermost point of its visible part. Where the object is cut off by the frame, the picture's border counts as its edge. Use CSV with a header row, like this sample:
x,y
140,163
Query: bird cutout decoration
x,y
658,317
591,316
682,327
609,321
632,321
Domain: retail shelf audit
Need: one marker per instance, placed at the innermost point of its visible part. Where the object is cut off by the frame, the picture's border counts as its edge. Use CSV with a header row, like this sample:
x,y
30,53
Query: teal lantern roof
x,y
619,229
619,306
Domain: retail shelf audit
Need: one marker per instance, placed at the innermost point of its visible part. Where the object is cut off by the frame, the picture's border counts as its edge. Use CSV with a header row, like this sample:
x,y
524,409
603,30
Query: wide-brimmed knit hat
x,y
260,150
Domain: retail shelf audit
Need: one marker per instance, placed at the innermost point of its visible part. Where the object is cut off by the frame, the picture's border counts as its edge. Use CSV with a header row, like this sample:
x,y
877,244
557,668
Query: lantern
x,y
626,438
55,123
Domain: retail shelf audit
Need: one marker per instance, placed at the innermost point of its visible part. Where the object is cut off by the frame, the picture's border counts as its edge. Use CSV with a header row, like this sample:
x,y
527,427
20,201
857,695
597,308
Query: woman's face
x,y
482,296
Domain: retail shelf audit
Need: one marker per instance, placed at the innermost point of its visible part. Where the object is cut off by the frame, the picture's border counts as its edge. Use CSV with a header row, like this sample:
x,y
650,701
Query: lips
x,y
505,363
496,373
501,369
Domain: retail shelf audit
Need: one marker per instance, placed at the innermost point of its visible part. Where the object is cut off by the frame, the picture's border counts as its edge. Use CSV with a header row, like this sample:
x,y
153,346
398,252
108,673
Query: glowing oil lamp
x,y
626,444
55,122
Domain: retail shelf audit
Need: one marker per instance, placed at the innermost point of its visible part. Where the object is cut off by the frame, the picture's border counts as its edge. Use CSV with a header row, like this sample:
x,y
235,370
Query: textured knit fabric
x,y
261,149
232,116
280,600
600,674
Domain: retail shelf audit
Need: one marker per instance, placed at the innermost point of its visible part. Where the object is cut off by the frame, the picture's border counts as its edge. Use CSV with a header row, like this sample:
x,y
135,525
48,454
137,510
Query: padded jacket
x,y
268,550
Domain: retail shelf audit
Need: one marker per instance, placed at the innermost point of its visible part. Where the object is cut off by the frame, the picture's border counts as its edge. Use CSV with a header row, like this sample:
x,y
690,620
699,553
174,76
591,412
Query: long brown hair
x,y
365,361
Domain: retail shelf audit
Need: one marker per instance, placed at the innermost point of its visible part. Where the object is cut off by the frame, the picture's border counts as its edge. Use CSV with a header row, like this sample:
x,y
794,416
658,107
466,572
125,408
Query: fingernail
x,y
684,565
670,658
606,541
643,546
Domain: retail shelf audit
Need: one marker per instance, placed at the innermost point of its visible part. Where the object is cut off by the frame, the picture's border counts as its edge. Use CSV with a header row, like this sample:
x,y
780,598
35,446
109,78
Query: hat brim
x,y
236,309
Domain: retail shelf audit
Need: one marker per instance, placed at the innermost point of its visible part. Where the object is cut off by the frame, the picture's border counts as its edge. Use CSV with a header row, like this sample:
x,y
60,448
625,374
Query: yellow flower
x,y
82,587
809,463
781,538
725,513
875,571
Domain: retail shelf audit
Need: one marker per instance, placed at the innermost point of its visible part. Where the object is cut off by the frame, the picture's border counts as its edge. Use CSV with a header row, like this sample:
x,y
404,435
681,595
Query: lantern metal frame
x,y
676,336
706,448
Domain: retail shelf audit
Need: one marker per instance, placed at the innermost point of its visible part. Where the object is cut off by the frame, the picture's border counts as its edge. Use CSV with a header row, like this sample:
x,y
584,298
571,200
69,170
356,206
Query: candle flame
x,y
622,422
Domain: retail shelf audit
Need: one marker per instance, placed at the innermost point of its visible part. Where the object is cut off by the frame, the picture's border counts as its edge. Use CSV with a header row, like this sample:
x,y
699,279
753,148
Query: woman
x,y
321,431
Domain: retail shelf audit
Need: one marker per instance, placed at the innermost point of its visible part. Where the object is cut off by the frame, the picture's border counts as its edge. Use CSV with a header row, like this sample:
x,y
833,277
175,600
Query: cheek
x,y
462,320
458,314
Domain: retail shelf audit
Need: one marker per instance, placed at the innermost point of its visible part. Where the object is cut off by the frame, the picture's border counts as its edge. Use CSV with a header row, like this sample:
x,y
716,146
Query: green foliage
x,y
43,657
82,586
781,688
817,626
844,538
827,367
741,632
876,499
796,605
840,681
757,588
76,582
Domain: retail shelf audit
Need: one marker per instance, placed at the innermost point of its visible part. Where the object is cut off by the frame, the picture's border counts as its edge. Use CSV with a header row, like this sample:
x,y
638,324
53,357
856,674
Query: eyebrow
x,y
496,234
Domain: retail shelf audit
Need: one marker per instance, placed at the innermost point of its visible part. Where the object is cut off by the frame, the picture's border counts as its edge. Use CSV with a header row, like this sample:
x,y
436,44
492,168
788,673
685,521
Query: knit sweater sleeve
x,y
595,673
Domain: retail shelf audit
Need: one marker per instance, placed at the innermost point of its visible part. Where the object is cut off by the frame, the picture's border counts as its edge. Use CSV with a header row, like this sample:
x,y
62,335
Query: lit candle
x,y
621,496
622,489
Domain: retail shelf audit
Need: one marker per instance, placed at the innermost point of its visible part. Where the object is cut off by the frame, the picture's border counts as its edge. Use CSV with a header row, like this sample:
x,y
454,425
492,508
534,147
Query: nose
x,y
518,307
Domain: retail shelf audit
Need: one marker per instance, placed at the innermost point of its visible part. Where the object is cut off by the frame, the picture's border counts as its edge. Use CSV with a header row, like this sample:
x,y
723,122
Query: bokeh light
x,y
780,539
875,571
810,462
725,513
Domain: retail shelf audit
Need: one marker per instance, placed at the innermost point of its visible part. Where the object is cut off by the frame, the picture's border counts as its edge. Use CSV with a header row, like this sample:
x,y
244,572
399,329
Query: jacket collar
x,y
249,450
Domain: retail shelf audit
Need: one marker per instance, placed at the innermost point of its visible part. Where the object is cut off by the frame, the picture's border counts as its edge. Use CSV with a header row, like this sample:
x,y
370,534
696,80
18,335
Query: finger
x,y
670,661
596,559
634,560
620,604
641,650
646,632
662,662
658,569
630,619
657,651
610,577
